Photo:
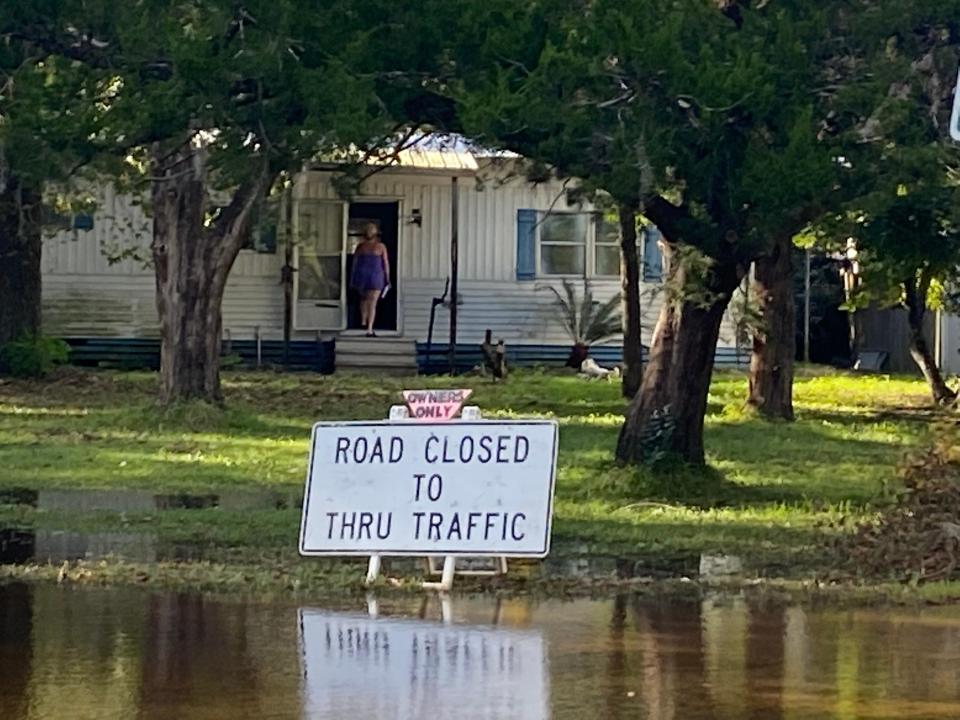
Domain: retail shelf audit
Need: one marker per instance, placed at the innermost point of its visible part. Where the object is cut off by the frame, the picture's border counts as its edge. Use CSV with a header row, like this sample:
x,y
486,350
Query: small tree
x,y
909,249
901,174
585,320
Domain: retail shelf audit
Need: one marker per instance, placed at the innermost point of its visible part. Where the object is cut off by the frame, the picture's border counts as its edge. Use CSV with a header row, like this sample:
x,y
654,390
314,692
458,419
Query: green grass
x,y
769,487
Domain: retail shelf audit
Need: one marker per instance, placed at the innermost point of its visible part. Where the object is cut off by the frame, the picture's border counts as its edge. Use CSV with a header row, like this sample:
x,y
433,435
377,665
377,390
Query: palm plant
x,y
585,320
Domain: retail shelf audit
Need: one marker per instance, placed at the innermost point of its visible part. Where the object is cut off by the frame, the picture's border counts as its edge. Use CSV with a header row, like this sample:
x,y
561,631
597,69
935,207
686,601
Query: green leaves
x,y
648,98
585,320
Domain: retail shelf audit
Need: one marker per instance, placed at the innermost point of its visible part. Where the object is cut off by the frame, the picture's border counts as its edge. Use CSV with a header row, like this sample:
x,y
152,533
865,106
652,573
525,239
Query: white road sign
x,y
481,488
355,667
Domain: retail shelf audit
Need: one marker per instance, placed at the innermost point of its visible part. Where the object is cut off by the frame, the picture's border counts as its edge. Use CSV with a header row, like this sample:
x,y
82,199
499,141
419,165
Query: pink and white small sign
x,y
435,405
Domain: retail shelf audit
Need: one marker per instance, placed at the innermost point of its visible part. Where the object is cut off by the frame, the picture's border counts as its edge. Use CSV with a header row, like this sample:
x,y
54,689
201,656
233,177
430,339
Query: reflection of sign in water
x,y
358,668
465,488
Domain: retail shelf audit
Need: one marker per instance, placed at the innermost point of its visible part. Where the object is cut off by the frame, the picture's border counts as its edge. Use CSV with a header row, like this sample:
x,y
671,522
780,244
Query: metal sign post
x,y
426,483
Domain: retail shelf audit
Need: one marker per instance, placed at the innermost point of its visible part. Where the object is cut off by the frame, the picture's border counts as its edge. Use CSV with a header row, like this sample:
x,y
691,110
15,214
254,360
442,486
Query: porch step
x,y
383,355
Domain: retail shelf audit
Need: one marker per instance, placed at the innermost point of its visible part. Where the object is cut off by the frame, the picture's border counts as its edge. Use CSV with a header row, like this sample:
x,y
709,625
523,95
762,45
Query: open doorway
x,y
385,215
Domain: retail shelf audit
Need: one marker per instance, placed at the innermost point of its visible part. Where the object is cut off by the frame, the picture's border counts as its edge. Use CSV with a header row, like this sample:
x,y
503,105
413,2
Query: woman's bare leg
x,y
363,310
372,297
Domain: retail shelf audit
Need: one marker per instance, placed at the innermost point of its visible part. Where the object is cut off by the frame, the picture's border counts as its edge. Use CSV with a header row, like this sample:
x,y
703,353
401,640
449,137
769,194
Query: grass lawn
x,y
769,487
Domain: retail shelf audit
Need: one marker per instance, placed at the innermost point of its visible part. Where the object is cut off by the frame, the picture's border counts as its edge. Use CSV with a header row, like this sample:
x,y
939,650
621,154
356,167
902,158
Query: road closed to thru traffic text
x,y
464,488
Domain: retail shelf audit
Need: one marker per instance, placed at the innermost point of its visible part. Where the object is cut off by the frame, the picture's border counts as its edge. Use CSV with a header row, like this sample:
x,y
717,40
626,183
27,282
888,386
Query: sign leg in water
x,y
475,489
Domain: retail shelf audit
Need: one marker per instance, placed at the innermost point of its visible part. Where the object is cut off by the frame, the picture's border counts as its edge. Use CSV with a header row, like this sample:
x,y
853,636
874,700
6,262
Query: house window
x,y
563,243
607,248
580,244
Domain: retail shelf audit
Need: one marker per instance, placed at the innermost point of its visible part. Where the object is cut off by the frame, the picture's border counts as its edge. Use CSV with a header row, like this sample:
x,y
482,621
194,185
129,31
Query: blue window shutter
x,y
83,222
526,244
652,256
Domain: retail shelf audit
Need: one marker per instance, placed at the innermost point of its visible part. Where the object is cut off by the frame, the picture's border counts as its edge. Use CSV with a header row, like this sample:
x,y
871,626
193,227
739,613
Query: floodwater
x,y
77,653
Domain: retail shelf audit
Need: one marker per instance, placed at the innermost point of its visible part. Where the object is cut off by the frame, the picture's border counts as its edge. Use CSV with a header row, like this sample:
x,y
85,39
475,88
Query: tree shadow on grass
x,y
784,466
905,415
675,483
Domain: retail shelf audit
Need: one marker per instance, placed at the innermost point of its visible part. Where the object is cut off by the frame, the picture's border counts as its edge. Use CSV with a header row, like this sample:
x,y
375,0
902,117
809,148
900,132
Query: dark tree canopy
x,y
197,98
705,117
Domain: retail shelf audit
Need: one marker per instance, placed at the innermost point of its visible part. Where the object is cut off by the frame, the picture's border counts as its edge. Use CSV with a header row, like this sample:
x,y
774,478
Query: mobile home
x,y
441,214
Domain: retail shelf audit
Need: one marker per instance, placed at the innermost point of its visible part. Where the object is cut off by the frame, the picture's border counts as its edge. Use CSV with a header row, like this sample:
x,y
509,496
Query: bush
x,y
33,357
916,538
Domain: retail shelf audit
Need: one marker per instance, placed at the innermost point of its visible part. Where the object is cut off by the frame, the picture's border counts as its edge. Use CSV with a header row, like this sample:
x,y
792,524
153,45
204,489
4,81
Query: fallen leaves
x,y
917,538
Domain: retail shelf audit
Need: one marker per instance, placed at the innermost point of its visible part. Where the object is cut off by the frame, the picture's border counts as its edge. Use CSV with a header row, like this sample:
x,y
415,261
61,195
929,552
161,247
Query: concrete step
x,y
376,355
376,346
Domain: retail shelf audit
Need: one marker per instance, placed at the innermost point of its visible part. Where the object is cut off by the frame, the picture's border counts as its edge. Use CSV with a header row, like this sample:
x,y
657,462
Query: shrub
x,y
916,538
585,321
33,357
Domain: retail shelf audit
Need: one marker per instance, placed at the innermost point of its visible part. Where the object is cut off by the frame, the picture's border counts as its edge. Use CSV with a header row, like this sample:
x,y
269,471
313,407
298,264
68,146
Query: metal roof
x,y
437,159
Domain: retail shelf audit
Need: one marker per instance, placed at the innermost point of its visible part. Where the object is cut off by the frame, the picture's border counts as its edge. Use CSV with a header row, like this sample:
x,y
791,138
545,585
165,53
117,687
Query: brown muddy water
x,y
76,654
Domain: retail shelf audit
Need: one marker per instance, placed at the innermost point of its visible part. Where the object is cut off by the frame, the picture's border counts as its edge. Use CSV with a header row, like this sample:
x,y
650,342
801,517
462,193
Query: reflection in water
x,y
126,654
357,667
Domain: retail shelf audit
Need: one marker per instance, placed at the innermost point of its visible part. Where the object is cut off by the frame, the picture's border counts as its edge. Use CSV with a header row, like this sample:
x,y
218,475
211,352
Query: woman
x,y
370,275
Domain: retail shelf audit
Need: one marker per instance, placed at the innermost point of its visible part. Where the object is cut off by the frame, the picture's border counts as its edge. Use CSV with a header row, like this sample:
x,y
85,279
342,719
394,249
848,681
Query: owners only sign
x,y
482,488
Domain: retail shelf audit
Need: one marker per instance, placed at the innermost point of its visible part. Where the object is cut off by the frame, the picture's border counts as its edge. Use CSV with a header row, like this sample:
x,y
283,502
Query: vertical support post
x,y
446,609
256,332
806,311
446,578
373,570
286,279
454,269
373,605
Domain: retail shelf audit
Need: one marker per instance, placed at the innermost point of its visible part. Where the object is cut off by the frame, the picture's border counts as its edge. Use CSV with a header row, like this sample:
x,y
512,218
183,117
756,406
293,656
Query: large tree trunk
x,y
915,296
775,345
630,279
192,262
20,243
667,415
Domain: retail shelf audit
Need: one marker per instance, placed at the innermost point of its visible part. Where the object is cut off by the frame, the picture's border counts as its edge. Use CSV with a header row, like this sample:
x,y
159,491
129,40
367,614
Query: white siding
x,y
517,312
487,218
949,344
84,295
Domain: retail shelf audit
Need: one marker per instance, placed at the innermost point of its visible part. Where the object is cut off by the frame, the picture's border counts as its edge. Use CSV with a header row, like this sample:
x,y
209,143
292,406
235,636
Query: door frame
x,y
398,289
345,219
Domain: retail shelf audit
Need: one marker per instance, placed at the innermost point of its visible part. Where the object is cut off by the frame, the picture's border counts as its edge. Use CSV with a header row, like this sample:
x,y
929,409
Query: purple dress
x,y
368,272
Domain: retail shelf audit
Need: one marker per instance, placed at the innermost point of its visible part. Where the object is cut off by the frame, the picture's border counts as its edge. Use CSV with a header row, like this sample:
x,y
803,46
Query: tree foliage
x,y
709,125
900,171
204,106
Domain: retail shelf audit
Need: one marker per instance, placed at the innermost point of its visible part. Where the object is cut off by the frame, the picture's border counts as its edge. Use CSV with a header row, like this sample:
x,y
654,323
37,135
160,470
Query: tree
x,y
702,119
902,174
909,249
533,83
46,122
217,98
775,341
